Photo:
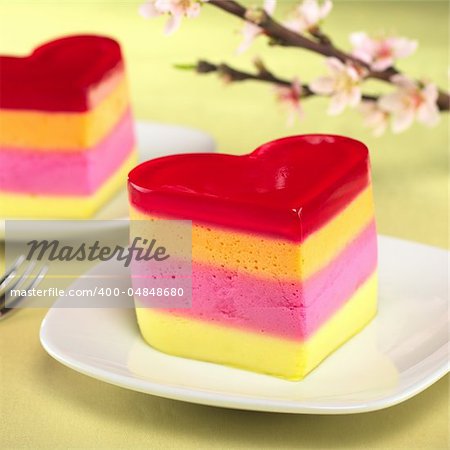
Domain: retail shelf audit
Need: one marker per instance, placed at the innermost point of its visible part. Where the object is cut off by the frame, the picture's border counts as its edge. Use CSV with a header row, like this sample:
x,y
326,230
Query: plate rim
x,y
242,402
233,401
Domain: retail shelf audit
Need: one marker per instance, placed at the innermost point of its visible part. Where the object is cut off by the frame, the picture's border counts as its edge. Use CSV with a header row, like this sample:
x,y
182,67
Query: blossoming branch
x,y
370,57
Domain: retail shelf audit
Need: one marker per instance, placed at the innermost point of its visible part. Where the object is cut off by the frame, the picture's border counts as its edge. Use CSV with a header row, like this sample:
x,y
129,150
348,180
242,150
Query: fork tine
x,y
34,283
11,271
24,276
17,283
9,287
39,277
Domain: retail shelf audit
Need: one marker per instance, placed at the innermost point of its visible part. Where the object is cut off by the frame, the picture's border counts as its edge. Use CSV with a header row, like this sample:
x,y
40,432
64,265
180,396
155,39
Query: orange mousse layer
x,y
63,130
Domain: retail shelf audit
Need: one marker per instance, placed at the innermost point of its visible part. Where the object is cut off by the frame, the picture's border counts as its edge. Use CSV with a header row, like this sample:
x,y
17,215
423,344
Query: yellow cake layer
x,y
190,338
39,130
276,258
65,207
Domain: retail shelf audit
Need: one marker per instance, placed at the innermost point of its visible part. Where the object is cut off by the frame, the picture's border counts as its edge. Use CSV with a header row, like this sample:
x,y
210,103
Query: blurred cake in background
x,y
66,128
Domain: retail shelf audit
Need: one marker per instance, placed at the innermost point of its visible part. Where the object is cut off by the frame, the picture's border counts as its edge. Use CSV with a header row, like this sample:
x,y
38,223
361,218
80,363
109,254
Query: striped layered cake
x,y
284,252
66,131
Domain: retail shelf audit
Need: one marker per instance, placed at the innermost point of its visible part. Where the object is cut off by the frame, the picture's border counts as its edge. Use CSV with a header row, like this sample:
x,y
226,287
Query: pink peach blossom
x,y
381,53
412,101
374,116
250,31
149,10
308,15
289,97
343,85
176,9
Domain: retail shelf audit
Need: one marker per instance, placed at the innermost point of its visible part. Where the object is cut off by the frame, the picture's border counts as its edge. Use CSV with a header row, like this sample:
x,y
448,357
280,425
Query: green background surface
x,y
44,404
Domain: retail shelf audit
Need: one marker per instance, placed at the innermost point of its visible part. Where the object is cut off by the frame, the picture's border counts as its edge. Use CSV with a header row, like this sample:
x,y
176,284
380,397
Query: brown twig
x,y
234,75
280,35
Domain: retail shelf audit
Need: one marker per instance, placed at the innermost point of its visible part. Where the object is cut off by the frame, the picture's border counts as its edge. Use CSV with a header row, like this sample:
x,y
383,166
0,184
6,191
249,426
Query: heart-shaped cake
x,y
283,252
66,131
59,75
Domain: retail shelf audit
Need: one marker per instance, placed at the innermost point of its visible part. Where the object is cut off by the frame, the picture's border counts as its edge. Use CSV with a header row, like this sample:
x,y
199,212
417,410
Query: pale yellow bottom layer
x,y
283,358
65,207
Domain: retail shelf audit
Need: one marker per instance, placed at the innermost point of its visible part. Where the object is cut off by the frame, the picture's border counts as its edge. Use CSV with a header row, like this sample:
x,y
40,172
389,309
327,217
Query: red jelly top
x,y
58,75
286,188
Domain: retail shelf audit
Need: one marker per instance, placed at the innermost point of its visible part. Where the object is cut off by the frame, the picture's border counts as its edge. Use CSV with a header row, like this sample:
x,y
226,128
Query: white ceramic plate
x,y
153,140
402,352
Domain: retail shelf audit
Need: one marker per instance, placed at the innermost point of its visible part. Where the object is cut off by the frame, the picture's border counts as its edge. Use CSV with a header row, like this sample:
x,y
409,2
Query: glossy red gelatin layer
x,y
58,75
287,188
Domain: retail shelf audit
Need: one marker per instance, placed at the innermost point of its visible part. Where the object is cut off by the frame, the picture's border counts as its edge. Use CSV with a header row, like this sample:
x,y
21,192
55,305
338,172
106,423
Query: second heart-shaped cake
x,y
60,75
66,130
283,252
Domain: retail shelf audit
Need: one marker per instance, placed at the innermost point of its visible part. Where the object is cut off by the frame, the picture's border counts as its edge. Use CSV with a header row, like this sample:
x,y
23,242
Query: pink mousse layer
x,y
66,173
292,310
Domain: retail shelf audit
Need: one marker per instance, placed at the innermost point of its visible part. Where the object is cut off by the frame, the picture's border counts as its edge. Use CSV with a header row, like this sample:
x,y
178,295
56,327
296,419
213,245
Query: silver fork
x,y
12,280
